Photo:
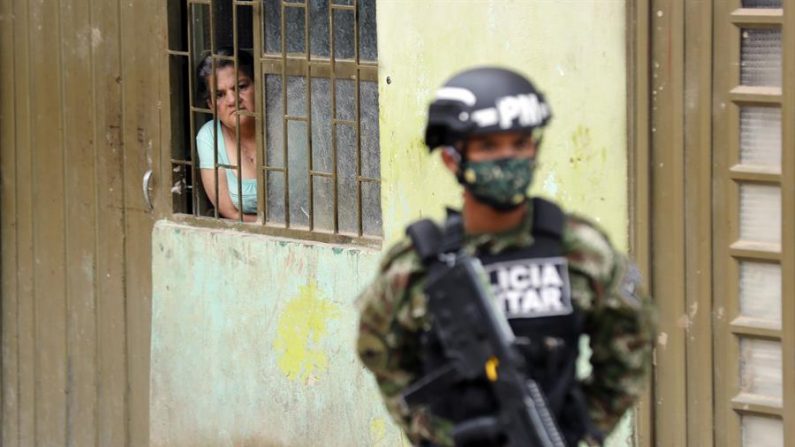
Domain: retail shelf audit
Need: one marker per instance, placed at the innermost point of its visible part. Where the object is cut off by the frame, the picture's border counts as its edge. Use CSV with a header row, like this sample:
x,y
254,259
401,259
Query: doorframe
x,y
638,133
669,49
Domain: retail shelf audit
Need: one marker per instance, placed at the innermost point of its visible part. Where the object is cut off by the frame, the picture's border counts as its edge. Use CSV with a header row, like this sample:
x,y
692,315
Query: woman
x,y
219,88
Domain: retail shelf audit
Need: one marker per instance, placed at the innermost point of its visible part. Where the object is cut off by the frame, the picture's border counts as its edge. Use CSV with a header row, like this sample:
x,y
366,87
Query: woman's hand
x,y
224,206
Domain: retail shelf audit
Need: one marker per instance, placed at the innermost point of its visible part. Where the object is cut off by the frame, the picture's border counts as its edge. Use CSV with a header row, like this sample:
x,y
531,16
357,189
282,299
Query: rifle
x,y
477,342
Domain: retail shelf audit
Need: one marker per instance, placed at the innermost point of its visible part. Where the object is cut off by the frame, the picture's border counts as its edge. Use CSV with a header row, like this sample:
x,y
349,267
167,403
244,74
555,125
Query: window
x,y
313,114
753,254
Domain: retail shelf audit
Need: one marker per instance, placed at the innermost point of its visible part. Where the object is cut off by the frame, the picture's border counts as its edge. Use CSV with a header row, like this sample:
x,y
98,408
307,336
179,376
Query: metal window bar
x,y
194,6
337,121
239,150
334,121
178,165
190,55
285,122
308,75
358,114
194,154
265,172
259,106
213,49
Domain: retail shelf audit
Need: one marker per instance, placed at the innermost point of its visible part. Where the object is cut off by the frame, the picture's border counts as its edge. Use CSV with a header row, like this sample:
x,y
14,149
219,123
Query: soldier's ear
x,y
451,159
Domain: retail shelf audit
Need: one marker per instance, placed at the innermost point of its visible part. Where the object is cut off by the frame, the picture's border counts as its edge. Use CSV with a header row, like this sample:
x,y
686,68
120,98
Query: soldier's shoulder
x,y
398,266
400,253
404,252
583,233
588,246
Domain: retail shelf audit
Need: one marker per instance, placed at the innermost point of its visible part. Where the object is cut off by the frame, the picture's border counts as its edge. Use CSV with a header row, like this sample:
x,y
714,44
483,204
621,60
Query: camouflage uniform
x,y
618,318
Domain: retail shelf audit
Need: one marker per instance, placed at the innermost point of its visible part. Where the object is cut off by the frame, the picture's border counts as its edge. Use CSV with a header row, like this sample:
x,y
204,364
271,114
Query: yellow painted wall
x,y
574,52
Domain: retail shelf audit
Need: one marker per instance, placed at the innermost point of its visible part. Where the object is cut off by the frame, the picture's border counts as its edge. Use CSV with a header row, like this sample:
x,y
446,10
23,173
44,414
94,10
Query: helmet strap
x,y
457,153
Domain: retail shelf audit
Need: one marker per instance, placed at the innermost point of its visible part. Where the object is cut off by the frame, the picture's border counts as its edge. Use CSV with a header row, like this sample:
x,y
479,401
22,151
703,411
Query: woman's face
x,y
222,95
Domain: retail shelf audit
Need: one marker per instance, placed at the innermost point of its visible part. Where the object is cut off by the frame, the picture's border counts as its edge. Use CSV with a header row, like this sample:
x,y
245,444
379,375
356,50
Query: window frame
x,y
733,403
285,64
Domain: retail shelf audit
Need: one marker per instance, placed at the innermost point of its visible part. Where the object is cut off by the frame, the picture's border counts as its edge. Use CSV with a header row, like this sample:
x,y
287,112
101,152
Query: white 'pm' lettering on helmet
x,y
527,108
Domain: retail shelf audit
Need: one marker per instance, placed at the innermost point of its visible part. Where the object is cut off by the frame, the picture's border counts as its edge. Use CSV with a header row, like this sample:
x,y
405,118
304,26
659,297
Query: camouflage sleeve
x,y
619,320
392,310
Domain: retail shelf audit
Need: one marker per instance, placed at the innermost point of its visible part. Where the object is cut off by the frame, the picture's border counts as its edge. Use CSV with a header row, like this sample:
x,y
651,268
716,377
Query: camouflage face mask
x,y
501,183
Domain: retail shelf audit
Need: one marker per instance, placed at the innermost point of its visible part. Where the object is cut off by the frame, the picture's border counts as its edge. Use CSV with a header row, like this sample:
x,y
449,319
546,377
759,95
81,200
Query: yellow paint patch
x,y
377,430
302,326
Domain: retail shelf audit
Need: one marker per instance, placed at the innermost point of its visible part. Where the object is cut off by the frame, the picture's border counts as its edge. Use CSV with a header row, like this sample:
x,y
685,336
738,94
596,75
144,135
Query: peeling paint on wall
x,y
551,185
299,332
377,430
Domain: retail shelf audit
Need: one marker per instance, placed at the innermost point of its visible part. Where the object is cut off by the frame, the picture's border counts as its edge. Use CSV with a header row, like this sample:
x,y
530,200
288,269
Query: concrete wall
x,y
252,336
253,343
574,52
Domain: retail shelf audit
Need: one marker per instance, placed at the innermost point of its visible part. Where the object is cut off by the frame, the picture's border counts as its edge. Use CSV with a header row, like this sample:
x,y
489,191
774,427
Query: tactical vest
x,y
531,285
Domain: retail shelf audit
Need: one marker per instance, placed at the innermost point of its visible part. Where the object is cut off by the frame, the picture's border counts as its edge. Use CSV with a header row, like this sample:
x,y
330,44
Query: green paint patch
x,y
337,250
301,328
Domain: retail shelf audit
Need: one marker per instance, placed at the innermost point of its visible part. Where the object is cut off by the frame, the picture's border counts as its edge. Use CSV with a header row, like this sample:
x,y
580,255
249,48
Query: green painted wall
x,y
252,336
252,343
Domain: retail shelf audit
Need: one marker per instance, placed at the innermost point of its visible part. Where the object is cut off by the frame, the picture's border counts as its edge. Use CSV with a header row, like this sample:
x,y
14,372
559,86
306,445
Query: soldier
x,y
555,276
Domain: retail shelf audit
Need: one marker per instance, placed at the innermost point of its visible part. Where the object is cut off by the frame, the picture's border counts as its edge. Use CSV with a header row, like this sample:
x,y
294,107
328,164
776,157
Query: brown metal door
x,y
721,203
79,88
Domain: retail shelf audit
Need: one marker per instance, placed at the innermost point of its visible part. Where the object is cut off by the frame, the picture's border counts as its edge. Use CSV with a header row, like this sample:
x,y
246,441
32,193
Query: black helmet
x,y
484,100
